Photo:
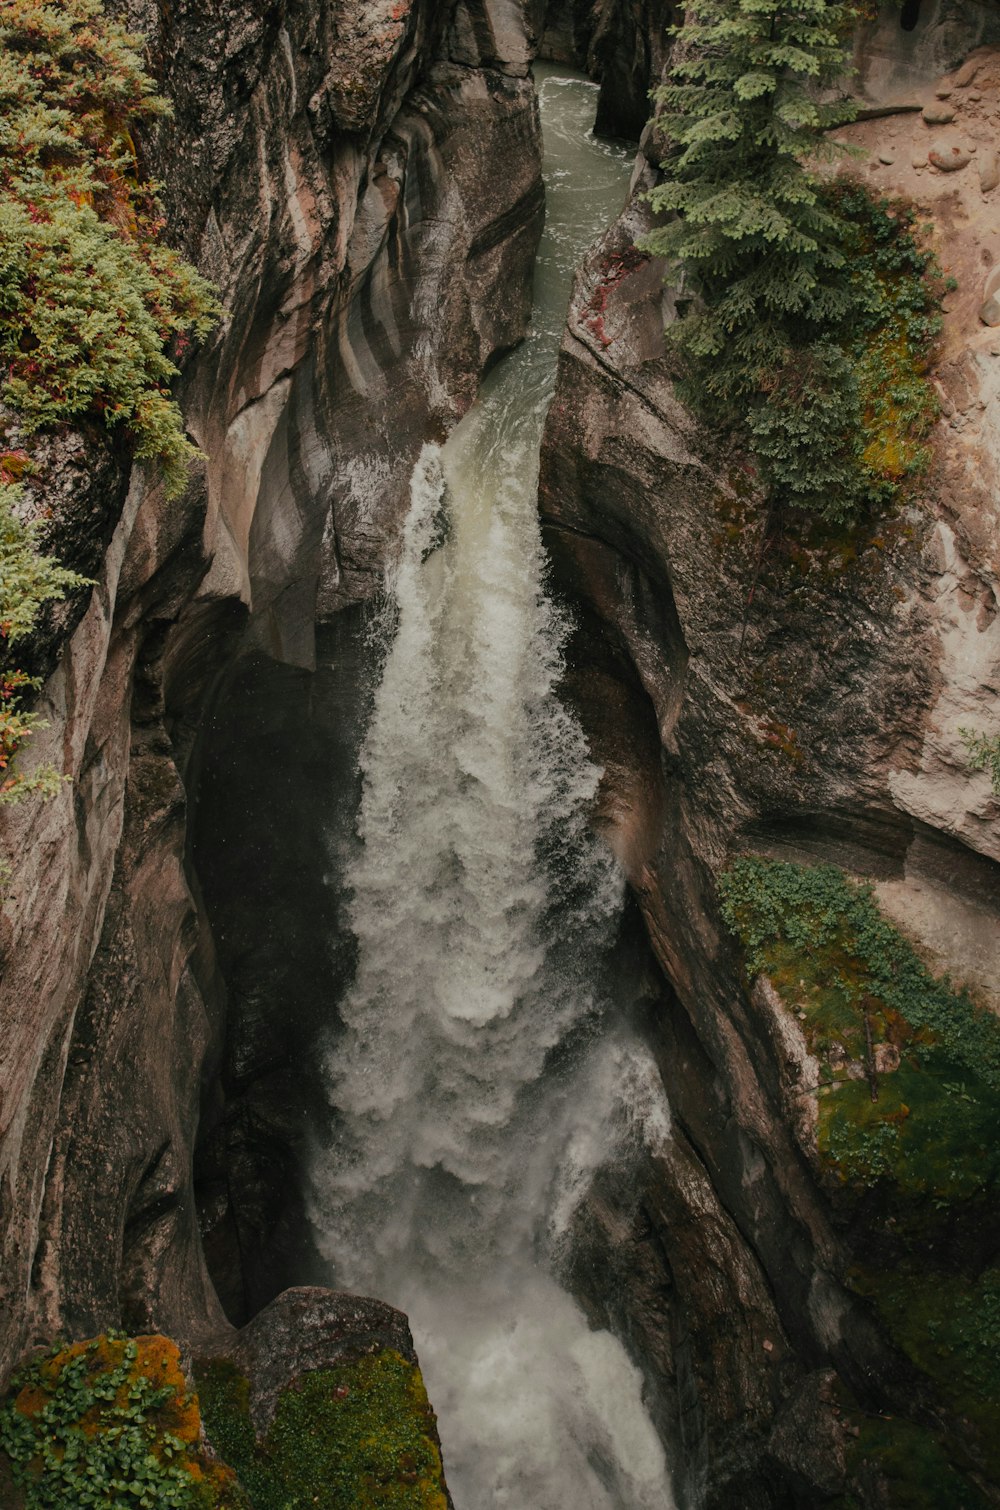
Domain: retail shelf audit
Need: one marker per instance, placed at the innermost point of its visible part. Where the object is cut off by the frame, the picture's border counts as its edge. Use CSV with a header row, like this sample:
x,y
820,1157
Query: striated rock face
x,y
622,44
807,707
363,183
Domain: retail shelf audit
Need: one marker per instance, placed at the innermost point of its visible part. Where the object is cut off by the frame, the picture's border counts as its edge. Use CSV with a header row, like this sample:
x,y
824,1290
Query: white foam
x,y
476,1086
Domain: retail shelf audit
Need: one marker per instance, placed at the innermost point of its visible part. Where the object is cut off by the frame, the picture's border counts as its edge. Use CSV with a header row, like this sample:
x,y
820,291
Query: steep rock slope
x,y
363,184
805,707
622,44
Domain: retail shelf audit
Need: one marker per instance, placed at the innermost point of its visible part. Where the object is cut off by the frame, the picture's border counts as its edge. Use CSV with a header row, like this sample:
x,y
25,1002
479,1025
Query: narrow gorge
x,y
524,917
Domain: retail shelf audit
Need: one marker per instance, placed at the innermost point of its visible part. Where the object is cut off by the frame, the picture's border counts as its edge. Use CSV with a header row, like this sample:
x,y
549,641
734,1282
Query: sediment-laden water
x,y
480,1076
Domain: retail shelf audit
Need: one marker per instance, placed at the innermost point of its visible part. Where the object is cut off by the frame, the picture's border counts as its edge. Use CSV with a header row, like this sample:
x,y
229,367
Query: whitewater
x,y
481,1072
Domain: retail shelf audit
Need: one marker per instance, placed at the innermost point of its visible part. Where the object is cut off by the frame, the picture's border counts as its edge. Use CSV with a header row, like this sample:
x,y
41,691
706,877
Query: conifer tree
x,y
759,244
741,115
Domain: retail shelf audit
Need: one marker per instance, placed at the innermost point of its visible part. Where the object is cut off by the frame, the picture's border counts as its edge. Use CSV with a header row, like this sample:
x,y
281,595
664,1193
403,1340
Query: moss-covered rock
x,y
354,1437
907,1137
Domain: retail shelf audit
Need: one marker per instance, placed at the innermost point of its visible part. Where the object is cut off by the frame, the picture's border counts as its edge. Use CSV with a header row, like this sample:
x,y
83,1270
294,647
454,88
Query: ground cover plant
x,y
109,1424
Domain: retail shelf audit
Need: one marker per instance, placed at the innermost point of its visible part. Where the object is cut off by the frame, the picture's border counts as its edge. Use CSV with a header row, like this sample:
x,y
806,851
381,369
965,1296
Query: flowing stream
x,y
480,1077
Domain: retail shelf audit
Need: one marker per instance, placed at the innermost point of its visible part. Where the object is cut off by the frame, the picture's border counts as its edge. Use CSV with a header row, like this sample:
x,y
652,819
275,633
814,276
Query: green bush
x,y
984,754
90,295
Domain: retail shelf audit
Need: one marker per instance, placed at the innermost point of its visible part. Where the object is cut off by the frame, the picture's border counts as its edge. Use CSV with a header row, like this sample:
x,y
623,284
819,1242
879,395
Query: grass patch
x,y
934,1131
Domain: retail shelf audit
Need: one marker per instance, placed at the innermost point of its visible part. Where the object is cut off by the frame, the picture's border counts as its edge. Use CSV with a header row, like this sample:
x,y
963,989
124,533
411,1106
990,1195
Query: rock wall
x,y
621,44
807,708
363,183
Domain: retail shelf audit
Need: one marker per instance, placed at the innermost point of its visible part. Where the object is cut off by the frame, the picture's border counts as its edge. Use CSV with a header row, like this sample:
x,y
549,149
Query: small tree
x,y
756,239
754,233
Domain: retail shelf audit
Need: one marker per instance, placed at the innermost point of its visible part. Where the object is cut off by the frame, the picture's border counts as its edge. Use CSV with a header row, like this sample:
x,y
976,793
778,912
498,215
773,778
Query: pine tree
x,y
757,242
742,116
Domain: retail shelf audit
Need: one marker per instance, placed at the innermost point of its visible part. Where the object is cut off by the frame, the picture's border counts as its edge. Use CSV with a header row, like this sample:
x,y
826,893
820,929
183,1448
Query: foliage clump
x,y
933,1129
984,754
355,1437
107,1424
91,298
28,580
811,314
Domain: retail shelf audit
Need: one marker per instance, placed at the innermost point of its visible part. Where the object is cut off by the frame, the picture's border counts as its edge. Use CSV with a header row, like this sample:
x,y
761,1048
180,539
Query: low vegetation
x,y
908,1132
110,1423
355,1437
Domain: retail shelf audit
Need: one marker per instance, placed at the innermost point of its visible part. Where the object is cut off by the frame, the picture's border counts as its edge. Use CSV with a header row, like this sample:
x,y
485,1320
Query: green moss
x,y
913,1462
357,1436
934,1131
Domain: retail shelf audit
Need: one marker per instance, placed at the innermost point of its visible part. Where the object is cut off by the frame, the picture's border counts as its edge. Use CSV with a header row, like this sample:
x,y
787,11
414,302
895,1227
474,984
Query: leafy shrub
x,y
90,295
813,314
107,1424
984,754
27,581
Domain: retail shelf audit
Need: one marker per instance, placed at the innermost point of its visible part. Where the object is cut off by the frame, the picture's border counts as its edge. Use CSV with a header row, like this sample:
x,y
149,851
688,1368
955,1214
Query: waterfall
x,y
479,1078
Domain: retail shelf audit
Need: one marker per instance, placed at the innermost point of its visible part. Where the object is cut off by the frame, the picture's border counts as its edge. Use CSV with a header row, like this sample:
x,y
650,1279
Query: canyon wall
x,y
363,184
799,705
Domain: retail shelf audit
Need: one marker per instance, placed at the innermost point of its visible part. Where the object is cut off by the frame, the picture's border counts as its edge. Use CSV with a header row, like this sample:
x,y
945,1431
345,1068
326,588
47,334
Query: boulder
x,y
948,158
